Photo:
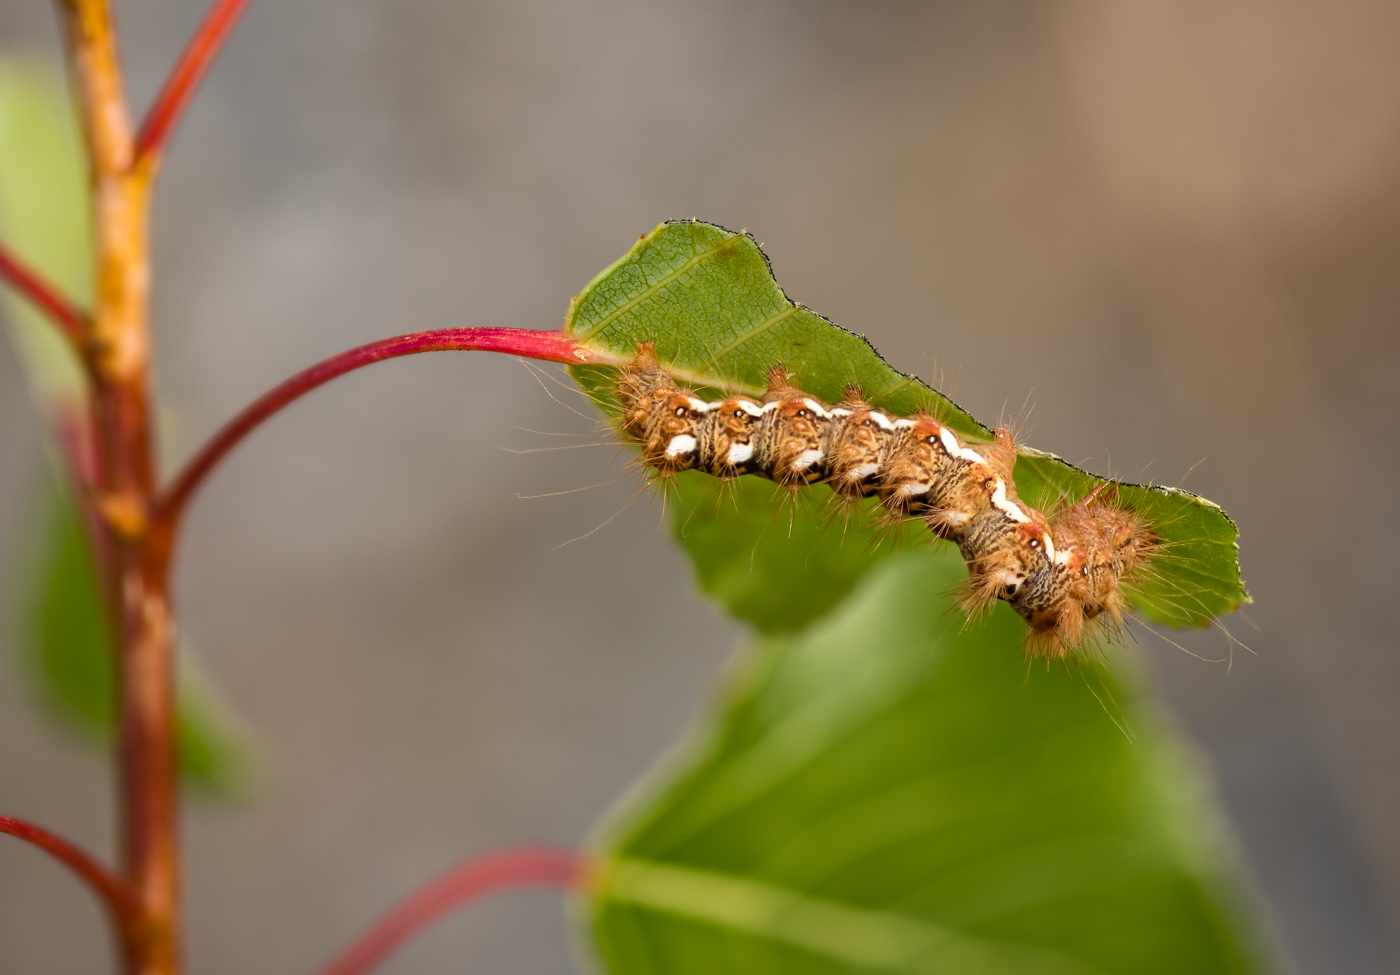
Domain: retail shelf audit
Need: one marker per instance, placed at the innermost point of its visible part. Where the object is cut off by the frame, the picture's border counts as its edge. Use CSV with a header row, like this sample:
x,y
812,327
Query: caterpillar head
x,y
1098,547
1113,542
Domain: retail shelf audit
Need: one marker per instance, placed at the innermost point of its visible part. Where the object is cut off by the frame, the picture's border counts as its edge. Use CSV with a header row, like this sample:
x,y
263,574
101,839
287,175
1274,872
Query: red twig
x,y
104,883
185,77
499,871
551,346
49,299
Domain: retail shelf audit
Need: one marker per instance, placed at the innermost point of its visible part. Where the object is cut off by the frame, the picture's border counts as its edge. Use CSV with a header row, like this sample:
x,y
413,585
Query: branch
x,y
46,296
185,77
105,884
550,346
466,883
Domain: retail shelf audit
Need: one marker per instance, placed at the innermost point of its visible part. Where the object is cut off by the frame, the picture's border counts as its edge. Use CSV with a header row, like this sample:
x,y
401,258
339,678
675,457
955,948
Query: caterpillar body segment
x,y
1062,574
857,448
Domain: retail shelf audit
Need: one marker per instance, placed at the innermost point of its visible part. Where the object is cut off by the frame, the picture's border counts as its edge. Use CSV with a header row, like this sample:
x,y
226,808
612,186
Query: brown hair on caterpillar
x,y
1083,598
1062,574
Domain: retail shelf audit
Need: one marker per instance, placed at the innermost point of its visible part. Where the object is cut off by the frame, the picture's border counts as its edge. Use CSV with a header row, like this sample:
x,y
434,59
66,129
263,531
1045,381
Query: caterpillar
x,y
1063,574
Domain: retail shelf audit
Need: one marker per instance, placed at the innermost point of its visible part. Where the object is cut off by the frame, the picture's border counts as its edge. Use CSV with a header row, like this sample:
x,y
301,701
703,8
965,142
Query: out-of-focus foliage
x,y
44,219
887,791
71,654
879,787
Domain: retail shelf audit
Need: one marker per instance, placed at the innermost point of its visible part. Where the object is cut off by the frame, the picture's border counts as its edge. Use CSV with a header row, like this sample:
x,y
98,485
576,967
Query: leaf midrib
x,y
858,936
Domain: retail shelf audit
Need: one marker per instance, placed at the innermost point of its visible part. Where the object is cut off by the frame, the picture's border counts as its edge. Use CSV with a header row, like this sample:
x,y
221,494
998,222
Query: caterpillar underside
x,y
1063,574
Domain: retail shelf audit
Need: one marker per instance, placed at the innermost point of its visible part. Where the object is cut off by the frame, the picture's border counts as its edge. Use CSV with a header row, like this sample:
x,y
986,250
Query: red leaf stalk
x,y
46,296
551,346
530,867
185,77
106,885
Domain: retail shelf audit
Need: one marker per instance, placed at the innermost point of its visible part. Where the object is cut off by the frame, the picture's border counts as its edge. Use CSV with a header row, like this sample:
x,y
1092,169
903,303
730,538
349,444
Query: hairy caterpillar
x,y
1063,573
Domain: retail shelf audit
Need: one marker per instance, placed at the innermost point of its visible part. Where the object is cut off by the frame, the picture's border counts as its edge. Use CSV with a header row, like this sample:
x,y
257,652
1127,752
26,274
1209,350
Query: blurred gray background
x,y
1172,227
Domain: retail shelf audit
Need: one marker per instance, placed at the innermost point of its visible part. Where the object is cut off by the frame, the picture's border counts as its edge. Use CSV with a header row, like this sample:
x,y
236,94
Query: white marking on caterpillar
x,y
955,449
752,409
881,420
739,453
700,406
681,445
1009,507
806,459
863,471
817,408
902,422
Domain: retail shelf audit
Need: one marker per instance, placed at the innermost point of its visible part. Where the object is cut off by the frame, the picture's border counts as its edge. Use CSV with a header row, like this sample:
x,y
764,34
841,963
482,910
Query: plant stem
x,y
117,352
135,529
550,346
474,879
185,77
46,296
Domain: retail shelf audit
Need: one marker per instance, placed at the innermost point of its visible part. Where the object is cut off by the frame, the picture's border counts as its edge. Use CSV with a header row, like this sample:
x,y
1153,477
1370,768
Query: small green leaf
x,y
70,655
707,298
45,221
890,792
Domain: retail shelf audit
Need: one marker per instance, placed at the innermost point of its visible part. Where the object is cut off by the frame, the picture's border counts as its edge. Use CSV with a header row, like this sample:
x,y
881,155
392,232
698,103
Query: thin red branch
x,y
105,884
466,883
185,77
50,300
550,346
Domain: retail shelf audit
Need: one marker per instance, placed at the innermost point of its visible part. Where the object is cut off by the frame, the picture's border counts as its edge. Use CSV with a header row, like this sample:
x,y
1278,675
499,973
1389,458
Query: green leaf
x,y
44,219
70,655
890,792
774,566
706,296
880,788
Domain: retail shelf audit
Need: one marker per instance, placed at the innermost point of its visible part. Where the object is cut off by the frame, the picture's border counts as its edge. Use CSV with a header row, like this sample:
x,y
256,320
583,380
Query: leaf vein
x,y
756,331
651,289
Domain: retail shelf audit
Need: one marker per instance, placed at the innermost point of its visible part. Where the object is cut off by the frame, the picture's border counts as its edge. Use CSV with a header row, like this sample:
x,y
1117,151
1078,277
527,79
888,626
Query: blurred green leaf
x,y
70,636
70,654
887,791
44,219
776,568
707,298
879,787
